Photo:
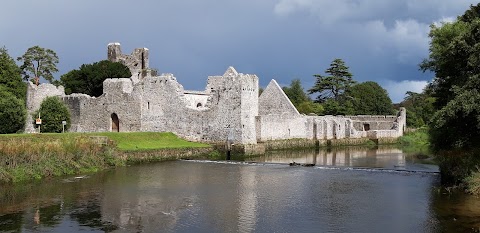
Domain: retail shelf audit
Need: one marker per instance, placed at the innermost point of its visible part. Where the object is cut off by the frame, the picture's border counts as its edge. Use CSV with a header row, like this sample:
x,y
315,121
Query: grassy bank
x,y
416,143
458,168
35,156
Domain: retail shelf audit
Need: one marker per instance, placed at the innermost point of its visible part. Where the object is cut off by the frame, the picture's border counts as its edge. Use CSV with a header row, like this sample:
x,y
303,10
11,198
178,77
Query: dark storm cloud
x,y
283,39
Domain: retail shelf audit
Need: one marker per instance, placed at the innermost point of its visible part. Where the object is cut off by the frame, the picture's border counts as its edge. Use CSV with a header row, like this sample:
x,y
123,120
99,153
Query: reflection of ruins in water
x,y
382,157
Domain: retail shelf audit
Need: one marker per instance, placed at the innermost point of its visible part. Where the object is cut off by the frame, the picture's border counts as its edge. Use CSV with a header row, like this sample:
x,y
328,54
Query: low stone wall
x,y
347,141
290,144
163,154
374,134
387,140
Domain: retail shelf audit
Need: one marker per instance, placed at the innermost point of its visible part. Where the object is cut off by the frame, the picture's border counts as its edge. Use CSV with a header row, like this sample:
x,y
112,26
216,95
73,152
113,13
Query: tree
x,y
333,107
457,125
39,62
295,92
13,112
10,77
454,54
88,79
369,98
420,108
335,85
52,112
455,59
308,107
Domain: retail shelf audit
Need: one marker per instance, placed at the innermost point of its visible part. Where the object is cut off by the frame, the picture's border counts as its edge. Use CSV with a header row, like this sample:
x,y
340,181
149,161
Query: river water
x,y
348,190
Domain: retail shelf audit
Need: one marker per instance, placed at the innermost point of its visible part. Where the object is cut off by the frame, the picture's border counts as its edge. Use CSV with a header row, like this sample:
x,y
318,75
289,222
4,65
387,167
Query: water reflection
x,y
189,196
379,157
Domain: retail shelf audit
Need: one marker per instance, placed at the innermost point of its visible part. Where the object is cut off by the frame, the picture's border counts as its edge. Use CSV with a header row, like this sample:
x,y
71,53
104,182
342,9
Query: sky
x,y
379,40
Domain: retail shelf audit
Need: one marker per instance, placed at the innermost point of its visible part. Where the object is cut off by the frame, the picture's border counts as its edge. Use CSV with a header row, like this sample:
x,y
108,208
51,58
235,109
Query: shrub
x,y
52,112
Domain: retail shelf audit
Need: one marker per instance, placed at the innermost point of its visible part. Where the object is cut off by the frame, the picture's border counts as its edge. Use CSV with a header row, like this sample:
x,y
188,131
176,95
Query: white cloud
x,y
397,90
443,20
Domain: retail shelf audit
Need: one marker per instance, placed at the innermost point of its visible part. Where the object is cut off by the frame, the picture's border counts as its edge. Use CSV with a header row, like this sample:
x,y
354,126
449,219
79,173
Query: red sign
x,y
38,121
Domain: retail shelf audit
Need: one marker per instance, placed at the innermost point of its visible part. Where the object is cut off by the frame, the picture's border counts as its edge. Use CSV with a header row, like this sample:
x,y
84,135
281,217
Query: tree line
x,y
338,94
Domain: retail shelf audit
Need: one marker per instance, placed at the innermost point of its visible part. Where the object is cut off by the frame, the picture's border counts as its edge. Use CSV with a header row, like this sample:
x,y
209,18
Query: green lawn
x,y
124,141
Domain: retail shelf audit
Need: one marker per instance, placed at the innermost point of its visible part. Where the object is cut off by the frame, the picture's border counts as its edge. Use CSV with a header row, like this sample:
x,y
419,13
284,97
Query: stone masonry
x,y
228,108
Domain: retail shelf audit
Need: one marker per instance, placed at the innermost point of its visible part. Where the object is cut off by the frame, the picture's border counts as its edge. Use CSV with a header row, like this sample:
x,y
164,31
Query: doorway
x,y
115,123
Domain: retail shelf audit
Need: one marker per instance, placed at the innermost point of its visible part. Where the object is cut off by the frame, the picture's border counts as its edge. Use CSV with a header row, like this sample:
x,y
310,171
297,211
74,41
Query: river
x,y
348,190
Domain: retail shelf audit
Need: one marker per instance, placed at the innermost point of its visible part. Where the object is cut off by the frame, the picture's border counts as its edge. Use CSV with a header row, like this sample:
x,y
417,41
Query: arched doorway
x,y
115,123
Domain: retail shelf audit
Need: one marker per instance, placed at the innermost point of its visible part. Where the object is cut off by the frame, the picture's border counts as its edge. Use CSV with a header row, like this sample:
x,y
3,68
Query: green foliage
x,y
454,54
457,125
419,138
473,182
295,92
454,57
342,107
35,156
369,98
300,99
12,113
420,108
52,112
334,90
456,165
39,62
309,106
10,77
333,85
88,79
38,156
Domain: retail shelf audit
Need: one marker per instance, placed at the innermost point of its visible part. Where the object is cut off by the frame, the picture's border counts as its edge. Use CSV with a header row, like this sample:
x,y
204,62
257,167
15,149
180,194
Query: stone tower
x,y
137,62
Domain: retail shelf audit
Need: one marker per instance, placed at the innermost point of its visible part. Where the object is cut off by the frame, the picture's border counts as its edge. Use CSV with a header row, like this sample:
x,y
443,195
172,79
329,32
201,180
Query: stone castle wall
x,y
228,109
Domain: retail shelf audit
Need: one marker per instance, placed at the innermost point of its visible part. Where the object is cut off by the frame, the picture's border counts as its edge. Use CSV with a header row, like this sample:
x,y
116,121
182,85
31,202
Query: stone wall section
x,y
35,96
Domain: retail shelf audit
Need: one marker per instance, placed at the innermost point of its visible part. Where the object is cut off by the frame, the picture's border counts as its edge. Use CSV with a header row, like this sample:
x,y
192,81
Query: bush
x,y
456,166
12,114
52,112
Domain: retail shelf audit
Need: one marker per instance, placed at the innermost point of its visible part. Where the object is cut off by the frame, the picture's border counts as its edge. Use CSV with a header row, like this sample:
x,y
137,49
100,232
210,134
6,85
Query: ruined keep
x,y
228,109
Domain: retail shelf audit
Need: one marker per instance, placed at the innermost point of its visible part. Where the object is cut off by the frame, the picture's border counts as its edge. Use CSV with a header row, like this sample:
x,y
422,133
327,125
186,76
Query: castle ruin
x,y
229,108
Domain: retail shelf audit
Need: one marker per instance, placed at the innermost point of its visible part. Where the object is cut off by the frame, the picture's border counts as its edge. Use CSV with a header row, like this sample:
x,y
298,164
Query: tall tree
x,y
454,54
335,84
88,79
295,92
301,100
39,62
369,98
455,59
10,77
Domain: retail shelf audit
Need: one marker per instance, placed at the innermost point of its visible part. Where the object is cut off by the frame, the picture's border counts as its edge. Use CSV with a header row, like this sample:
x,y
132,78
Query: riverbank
x,y
459,169
36,156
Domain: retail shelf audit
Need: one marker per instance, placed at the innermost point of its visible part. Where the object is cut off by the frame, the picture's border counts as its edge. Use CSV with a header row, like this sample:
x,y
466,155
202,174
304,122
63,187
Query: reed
x,y
25,158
